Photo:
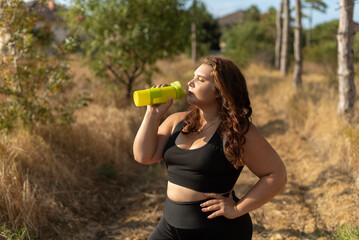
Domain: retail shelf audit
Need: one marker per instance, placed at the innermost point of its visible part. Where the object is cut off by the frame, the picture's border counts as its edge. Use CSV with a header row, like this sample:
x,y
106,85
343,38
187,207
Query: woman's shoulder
x,y
175,118
253,131
178,115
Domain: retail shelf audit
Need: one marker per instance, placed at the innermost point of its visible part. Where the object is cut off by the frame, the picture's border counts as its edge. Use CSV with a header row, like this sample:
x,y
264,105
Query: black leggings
x,y
185,220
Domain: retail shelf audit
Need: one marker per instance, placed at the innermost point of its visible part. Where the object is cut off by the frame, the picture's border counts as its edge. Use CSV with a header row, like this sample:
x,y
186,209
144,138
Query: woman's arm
x,y
265,163
151,138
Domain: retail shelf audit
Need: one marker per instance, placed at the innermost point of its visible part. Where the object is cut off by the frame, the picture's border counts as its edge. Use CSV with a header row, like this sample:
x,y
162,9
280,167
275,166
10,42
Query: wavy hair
x,y
234,107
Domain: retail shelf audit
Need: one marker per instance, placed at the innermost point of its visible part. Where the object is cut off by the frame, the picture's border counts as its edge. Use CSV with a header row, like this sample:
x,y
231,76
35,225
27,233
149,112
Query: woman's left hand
x,y
222,206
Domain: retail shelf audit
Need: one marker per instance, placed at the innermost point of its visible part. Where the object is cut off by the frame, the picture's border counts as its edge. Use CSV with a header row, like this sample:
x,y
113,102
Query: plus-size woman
x,y
205,150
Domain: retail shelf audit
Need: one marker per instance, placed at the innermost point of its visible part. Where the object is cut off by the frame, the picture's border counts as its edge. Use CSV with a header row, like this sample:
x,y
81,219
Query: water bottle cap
x,y
178,88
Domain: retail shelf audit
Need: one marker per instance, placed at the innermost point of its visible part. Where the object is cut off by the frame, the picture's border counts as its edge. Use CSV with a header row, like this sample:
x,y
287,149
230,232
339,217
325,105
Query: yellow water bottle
x,y
158,95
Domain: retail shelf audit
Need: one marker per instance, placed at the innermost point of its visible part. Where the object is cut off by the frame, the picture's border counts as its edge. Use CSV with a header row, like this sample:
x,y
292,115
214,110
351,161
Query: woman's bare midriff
x,y
182,194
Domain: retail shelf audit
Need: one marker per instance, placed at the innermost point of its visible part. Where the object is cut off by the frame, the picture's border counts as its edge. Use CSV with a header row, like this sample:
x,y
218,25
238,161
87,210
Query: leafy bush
x,y
32,82
252,39
324,48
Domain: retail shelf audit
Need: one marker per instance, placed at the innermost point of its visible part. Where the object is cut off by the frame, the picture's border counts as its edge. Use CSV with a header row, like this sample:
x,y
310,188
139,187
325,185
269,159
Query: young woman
x,y
205,150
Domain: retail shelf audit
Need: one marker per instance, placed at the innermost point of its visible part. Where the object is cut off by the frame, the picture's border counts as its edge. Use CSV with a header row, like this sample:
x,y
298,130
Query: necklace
x,y
201,130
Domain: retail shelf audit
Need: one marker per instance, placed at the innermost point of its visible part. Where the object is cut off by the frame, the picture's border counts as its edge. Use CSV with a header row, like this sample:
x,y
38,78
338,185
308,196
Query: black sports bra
x,y
204,169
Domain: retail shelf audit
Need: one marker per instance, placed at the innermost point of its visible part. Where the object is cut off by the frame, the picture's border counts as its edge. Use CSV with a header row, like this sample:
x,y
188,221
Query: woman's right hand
x,y
160,109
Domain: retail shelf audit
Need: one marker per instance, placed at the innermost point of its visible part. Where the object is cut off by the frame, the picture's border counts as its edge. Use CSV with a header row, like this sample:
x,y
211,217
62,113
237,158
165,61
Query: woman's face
x,y
201,90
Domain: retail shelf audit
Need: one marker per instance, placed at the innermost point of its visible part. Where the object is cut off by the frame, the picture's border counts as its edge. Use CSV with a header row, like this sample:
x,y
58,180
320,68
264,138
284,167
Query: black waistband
x,y
189,215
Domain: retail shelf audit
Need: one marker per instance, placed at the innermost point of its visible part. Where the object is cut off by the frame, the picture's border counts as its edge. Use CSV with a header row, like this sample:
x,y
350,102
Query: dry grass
x,y
56,179
324,146
312,113
21,202
51,178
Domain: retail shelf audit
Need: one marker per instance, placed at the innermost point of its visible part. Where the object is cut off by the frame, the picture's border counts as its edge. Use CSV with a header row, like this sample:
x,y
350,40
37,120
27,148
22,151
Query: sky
x,y
220,8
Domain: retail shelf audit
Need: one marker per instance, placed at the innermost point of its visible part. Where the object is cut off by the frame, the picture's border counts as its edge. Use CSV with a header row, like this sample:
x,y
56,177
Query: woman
x,y
205,150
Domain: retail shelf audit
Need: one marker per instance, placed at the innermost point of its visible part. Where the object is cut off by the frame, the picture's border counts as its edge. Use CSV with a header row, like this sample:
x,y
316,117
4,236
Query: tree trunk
x,y
129,88
278,37
345,36
285,39
194,44
297,76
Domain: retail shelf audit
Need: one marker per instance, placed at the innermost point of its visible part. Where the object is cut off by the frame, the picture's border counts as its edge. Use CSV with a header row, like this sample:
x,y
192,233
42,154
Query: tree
x,y
317,5
345,37
297,75
285,39
31,82
278,36
204,29
251,40
252,14
124,38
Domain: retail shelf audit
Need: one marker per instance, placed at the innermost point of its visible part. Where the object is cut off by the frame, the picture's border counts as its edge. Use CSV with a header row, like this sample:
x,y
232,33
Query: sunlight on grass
x,y
46,176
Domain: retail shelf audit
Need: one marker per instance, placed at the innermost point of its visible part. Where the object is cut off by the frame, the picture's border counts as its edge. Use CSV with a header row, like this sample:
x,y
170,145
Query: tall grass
x,y
330,170
312,112
54,178
19,203
47,175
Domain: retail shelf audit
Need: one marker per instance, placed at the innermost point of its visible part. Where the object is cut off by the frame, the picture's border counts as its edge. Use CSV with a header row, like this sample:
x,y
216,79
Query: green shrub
x,y
252,39
346,232
32,79
20,234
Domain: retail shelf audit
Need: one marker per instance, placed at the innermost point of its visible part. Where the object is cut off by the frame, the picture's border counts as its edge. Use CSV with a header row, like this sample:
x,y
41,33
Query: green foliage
x,y
325,32
252,14
20,234
122,39
317,5
32,82
325,53
323,48
252,39
346,232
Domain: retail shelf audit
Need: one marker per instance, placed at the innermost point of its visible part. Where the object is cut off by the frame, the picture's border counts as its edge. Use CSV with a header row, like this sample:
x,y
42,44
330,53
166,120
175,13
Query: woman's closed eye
x,y
200,79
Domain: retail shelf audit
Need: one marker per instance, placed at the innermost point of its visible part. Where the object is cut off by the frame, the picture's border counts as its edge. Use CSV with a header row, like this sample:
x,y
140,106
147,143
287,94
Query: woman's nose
x,y
190,83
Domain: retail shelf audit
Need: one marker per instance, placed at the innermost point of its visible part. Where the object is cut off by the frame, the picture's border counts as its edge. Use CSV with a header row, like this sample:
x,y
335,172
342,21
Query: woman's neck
x,y
209,115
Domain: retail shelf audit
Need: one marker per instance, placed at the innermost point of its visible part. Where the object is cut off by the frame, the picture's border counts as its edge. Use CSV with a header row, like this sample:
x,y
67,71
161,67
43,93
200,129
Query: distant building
x,y
356,27
231,20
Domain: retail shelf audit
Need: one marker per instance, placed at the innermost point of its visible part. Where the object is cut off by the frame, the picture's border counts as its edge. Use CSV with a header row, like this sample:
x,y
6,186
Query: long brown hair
x,y
235,107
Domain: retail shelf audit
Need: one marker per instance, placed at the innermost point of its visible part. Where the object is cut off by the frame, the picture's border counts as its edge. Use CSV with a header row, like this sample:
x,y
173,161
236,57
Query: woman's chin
x,y
191,100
